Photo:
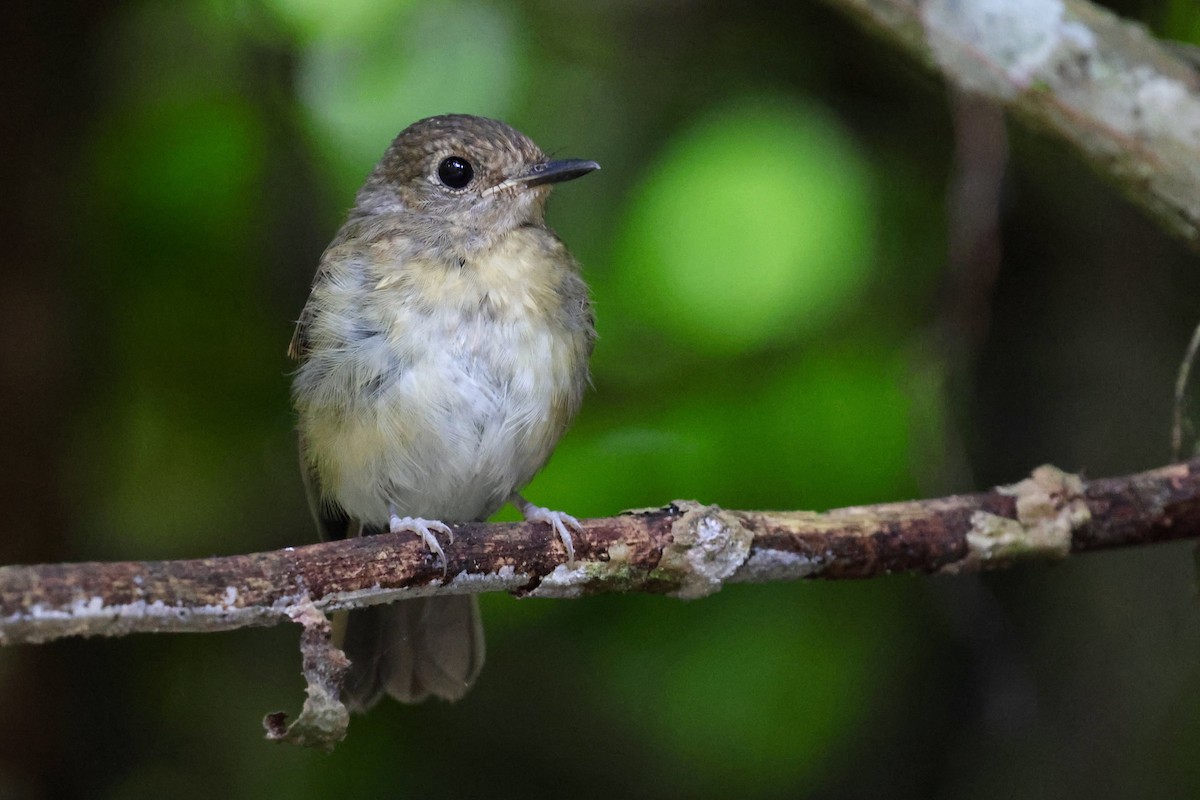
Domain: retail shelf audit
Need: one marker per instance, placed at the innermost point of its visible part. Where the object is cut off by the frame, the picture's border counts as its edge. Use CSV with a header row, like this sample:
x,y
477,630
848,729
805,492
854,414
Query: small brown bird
x,y
443,351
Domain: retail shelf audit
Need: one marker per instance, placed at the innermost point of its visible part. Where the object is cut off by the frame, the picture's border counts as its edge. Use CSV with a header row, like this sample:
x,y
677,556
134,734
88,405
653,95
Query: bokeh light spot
x,y
415,64
754,225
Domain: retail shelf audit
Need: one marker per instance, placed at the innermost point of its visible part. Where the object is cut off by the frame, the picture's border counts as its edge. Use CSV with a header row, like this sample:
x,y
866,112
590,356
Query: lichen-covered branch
x,y
685,549
1129,103
323,719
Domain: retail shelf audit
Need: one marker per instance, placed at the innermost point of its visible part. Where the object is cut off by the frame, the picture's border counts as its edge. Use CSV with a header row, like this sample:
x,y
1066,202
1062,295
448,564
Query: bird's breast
x,y
440,391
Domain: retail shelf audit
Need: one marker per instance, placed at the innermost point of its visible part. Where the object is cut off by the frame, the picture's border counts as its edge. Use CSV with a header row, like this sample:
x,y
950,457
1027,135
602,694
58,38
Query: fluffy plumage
x,y
443,351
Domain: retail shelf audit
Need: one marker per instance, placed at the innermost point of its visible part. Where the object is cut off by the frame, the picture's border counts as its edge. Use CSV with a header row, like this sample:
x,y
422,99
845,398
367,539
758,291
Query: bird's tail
x,y
413,649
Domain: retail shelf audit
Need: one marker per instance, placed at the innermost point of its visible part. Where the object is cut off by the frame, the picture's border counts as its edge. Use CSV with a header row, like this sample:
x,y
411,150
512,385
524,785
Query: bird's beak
x,y
567,169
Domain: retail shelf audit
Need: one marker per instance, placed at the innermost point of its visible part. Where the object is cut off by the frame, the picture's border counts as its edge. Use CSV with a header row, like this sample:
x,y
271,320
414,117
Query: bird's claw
x,y
423,528
557,520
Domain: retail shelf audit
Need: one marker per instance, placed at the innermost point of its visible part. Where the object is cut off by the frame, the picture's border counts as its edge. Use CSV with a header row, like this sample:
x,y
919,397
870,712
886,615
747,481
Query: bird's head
x,y
468,172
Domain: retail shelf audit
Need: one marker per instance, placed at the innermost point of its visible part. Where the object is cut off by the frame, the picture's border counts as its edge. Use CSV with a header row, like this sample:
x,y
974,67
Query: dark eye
x,y
455,171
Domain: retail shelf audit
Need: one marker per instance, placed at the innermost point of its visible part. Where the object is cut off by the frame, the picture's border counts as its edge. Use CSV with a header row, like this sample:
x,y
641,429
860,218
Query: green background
x,y
767,245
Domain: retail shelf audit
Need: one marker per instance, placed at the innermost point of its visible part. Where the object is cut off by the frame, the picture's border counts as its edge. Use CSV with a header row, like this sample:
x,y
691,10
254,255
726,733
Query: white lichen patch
x,y
708,546
993,537
766,566
1150,109
504,579
998,47
1052,499
324,719
88,616
92,616
1050,507
1110,87
619,553
1169,105
1167,115
565,582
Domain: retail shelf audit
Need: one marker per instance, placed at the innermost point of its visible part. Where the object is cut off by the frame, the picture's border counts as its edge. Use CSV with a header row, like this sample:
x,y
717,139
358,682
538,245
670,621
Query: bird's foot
x,y
423,528
557,520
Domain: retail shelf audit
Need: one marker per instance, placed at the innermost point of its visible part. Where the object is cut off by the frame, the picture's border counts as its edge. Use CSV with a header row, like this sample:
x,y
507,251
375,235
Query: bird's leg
x,y
423,528
555,519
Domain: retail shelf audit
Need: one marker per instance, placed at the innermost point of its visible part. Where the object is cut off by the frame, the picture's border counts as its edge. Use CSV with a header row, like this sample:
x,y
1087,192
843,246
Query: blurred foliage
x,y
1181,21
752,227
766,247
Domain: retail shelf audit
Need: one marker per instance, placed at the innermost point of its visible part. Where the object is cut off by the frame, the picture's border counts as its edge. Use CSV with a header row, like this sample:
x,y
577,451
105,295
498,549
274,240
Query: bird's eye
x,y
455,171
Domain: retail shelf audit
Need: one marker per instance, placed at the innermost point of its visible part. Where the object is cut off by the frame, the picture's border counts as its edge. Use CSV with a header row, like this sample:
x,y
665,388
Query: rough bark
x,y
684,549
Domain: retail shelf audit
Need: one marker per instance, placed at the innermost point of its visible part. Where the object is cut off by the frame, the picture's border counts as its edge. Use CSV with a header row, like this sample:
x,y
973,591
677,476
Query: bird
x,y
442,352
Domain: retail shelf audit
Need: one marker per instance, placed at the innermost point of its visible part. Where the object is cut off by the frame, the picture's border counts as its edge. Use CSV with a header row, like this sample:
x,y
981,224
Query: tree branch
x,y
1129,103
686,549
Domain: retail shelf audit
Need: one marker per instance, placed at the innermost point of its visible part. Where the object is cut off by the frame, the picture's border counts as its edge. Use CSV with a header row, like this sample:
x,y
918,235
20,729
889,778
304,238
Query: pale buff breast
x,y
439,391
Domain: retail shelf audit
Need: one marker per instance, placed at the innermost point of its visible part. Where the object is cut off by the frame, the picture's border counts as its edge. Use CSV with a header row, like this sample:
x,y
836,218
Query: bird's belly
x,y
444,424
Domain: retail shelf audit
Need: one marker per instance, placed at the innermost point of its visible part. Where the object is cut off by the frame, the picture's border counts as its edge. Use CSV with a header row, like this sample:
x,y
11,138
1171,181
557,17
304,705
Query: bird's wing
x,y
333,522
298,347
355,244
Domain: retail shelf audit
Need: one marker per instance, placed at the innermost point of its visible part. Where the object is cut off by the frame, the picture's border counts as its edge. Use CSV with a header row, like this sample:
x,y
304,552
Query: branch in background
x,y
1104,85
973,207
1180,425
973,251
